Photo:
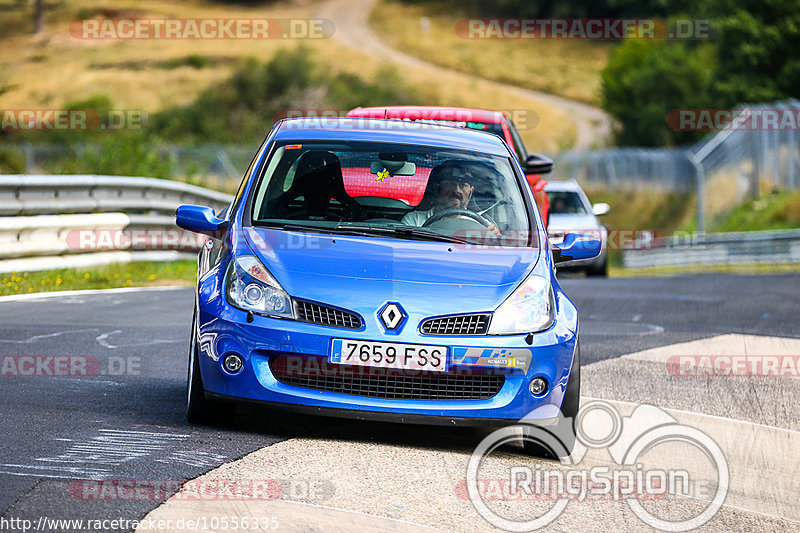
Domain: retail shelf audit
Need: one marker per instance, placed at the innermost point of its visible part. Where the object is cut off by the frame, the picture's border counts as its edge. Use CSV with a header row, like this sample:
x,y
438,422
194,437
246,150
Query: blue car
x,y
383,270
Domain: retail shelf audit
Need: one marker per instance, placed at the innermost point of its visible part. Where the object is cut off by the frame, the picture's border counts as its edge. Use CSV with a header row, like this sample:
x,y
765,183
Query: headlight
x,y
529,309
251,287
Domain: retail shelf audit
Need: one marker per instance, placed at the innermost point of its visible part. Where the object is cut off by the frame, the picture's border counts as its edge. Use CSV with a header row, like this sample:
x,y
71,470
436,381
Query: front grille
x,y
456,325
326,316
386,383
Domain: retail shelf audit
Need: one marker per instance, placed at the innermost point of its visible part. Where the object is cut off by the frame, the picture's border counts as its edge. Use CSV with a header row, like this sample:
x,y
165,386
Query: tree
x,y
38,16
758,51
645,80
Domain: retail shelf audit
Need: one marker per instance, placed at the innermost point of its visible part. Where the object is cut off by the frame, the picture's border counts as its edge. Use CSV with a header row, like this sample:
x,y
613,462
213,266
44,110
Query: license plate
x,y
389,355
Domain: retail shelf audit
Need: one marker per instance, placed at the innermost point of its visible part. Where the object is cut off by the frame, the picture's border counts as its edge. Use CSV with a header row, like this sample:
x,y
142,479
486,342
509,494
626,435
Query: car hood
x,y
363,273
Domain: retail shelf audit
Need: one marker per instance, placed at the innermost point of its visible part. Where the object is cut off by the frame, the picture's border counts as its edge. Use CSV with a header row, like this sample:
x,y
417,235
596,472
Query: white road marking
x,y
31,340
64,294
111,447
102,339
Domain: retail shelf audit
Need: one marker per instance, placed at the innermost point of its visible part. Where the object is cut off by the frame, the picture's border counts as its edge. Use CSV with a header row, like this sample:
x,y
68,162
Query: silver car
x,y
570,212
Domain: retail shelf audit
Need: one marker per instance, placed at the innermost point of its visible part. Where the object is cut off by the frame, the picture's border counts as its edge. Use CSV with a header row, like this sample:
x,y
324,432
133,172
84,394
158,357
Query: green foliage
x,y
123,154
779,210
571,8
135,274
758,50
644,80
241,110
11,161
754,57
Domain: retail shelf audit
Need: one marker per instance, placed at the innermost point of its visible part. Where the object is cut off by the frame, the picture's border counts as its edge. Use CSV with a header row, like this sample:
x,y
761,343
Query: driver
x,y
450,187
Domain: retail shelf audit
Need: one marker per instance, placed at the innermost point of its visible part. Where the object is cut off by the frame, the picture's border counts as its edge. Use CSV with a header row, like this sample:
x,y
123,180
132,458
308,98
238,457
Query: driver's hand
x,y
494,230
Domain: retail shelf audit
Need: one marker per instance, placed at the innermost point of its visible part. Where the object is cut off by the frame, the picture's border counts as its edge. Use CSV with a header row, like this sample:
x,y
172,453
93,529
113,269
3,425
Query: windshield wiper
x,y
405,231
294,227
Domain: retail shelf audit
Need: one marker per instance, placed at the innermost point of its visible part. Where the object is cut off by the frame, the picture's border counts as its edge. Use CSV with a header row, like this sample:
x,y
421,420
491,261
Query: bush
x,y
241,110
644,80
123,154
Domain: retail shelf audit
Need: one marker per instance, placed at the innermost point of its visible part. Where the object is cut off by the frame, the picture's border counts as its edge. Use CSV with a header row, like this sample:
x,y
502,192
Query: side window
x,y
519,146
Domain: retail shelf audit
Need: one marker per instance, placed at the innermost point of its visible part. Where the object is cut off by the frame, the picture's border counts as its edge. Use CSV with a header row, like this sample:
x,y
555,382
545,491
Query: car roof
x,y
563,185
468,114
390,131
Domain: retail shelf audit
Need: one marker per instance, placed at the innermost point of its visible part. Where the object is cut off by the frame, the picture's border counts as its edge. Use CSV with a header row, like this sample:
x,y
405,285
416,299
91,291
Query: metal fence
x,y
79,221
628,168
714,249
733,164
212,165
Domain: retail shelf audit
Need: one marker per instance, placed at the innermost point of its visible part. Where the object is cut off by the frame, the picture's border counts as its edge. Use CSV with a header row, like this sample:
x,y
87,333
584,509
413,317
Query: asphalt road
x,y
126,421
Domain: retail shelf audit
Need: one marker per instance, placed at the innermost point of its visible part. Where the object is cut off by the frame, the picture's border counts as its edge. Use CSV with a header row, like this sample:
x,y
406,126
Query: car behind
x,y
572,212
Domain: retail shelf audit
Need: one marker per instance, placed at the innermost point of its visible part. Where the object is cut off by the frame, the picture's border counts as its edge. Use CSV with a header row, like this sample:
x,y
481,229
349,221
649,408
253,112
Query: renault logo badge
x,y
392,316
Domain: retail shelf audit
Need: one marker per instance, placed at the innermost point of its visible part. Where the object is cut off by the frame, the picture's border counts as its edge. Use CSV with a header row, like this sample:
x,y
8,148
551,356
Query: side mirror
x,y
199,219
538,164
600,209
575,247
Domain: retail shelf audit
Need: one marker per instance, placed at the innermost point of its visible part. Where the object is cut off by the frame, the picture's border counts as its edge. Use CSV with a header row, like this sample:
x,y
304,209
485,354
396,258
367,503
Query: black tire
x,y
564,431
199,409
600,271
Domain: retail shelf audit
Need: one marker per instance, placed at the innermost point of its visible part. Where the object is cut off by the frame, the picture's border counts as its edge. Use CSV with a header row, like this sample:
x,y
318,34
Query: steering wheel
x,y
457,212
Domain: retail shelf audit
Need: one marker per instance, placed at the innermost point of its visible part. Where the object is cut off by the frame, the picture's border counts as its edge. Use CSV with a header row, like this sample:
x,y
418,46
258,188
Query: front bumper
x,y
224,330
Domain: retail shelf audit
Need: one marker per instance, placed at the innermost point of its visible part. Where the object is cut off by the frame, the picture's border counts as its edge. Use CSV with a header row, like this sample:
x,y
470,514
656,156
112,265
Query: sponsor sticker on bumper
x,y
519,358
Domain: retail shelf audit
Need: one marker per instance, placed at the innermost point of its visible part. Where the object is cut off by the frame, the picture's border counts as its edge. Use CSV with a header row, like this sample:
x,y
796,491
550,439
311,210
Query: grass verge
x,y
135,274
565,67
783,268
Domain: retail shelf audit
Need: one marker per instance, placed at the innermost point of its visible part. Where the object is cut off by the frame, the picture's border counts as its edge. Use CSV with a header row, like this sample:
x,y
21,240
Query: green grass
x,y
665,213
569,68
782,268
778,210
134,274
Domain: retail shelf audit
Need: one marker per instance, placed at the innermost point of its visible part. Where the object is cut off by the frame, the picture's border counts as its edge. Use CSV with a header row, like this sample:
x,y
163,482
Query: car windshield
x,y
566,203
396,190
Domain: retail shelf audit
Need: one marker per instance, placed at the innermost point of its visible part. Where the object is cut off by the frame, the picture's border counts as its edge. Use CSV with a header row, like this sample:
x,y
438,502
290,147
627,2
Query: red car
x,y
496,122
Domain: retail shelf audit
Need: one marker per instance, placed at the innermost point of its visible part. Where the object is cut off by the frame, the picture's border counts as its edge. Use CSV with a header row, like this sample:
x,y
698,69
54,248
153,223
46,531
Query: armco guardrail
x,y
35,195
713,249
79,221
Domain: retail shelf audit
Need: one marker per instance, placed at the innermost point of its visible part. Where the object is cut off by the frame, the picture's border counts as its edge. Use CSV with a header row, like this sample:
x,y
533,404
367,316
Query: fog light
x,y
232,363
538,386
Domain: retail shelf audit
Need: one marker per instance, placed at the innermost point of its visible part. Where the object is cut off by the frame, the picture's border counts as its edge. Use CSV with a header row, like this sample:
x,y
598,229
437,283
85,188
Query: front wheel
x,y
564,431
200,410
599,271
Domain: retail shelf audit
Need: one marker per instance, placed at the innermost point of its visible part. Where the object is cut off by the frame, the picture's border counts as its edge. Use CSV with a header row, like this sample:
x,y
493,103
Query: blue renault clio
x,y
383,270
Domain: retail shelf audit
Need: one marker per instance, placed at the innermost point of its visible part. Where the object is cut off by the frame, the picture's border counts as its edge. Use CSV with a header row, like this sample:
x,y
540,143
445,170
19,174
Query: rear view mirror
x,y
538,164
199,219
600,209
575,247
394,168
